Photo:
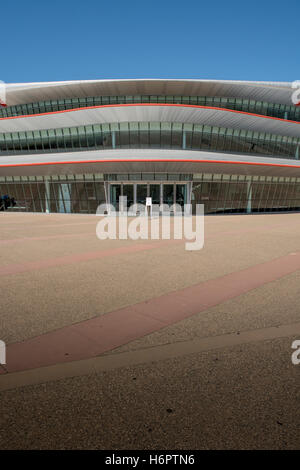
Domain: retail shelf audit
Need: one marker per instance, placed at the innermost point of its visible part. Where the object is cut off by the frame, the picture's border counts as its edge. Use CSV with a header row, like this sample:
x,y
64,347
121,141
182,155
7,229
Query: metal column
x,y
47,195
184,140
249,197
113,139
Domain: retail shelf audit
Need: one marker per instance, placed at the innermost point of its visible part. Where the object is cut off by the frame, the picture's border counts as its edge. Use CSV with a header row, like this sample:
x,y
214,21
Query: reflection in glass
x,y
141,193
128,192
180,194
155,193
168,194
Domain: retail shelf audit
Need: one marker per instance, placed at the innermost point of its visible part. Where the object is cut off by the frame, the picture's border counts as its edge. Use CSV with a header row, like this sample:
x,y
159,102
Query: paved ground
x,y
142,344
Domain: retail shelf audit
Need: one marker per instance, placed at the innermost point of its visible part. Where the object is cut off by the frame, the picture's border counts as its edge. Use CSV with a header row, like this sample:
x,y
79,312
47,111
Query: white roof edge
x,y
123,80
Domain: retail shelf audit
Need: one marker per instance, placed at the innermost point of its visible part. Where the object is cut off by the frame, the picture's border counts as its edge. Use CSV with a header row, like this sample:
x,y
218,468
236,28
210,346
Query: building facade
x,y
70,146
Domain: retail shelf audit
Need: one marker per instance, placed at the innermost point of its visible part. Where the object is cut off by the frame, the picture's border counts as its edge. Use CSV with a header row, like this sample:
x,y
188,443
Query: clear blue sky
x,y
70,40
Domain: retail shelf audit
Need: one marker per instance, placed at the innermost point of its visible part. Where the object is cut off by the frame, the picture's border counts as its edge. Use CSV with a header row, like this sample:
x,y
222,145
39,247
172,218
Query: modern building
x,y
70,146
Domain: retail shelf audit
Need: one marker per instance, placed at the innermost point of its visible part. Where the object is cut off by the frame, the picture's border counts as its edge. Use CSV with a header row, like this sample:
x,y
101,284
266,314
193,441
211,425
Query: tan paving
x,y
88,289
105,332
274,304
142,355
244,396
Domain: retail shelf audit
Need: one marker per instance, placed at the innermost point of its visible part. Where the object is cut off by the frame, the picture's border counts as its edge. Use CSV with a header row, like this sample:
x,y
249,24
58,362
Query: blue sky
x,y
70,40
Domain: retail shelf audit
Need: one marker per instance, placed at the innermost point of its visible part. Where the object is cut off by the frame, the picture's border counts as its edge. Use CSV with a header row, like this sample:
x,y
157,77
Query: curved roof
x,y
146,160
152,113
131,160
273,92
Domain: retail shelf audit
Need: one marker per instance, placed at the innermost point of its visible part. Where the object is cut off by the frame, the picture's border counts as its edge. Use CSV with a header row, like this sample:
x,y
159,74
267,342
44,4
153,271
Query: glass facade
x,y
149,135
220,193
67,194
223,194
264,108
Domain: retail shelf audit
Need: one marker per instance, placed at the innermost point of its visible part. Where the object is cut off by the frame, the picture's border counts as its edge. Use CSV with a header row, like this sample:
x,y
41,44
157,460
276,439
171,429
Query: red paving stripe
x,y
104,333
41,225
12,241
12,269
30,266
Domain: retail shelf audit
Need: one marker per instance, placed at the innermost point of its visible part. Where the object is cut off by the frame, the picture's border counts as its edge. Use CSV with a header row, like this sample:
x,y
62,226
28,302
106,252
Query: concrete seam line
x,y
143,356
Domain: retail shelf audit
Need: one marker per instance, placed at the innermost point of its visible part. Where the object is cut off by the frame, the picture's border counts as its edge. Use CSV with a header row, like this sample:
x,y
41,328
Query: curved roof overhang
x,y
273,92
152,112
146,160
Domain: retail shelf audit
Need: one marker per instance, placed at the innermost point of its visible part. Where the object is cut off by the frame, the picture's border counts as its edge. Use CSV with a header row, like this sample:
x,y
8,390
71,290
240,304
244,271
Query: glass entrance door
x,y
136,193
115,193
181,194
154,193
141,193
168,194
129,193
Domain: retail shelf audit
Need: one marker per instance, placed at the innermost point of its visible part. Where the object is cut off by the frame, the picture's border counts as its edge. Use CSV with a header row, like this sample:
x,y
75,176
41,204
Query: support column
x,y
297,153
249,197
107,195
113,139
189,196
135,193
174,193
161,195
47,195
184,140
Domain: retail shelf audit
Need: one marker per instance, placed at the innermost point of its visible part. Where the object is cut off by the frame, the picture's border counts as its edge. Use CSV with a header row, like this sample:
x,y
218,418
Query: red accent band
x,y
161,160
151,104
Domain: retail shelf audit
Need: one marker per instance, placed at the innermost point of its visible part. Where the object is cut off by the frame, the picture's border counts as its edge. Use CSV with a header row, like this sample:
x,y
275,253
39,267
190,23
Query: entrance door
x,y
129,193
180,194
115,193
175,194
154,193
116,190
141,193
168,194
136,193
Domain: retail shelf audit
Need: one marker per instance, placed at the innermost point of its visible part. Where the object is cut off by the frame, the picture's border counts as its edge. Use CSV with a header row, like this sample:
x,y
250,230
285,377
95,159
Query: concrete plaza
x,y
123,344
